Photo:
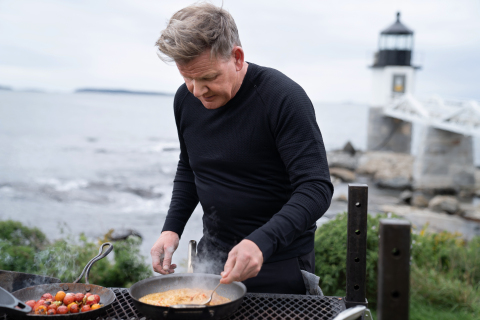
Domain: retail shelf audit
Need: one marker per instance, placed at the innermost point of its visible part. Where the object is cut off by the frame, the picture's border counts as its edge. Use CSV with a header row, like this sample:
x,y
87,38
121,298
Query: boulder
x,y
348,148
398,183
419,200
477,182
448,204
406,196
388,169
341,159
344,174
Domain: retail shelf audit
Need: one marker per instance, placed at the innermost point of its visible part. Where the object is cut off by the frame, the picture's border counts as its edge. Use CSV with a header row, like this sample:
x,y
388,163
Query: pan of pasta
x,y
180,296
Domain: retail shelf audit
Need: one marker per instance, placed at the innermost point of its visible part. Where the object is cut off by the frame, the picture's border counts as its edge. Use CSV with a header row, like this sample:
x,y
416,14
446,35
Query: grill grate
x,y
255,306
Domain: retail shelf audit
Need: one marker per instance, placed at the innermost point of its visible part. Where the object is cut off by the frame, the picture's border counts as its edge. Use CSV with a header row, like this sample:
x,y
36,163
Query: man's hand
x,y
244,261
162,252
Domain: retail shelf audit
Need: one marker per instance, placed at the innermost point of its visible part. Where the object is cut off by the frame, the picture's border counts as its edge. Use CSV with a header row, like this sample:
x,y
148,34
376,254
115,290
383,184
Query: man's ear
x,y
239,57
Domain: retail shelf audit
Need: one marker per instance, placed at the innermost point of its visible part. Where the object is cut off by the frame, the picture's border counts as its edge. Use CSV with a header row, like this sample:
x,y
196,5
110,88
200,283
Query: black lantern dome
x,y
394,46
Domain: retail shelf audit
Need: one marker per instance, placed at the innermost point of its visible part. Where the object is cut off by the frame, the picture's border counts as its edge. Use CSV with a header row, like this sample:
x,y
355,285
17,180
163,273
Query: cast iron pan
x,y
13,281
34,293
234,291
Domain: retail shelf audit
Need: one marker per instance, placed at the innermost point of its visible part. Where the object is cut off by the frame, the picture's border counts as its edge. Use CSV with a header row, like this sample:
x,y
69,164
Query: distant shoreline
x,y
122,91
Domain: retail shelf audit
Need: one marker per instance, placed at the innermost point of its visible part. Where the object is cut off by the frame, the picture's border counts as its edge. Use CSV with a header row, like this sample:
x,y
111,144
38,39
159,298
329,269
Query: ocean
x,y
86,163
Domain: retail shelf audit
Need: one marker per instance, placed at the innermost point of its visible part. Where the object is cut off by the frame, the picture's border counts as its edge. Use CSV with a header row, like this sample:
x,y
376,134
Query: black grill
x,y
255,306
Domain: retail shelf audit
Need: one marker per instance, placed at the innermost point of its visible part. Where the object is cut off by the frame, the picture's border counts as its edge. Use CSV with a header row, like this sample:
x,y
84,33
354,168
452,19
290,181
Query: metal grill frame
x,y
262,306
254,306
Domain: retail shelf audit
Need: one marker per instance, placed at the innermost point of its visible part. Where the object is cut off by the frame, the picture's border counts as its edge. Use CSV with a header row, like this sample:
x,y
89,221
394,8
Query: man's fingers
x,y
236,273
229,265
172,268
157,255
167,260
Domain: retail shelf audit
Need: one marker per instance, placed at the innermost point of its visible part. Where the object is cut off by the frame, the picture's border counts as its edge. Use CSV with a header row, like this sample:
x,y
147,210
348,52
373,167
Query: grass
x,y
424,311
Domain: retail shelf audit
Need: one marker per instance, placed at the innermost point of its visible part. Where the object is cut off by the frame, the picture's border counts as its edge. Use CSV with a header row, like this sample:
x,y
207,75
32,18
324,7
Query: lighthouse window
x,y
398,83
396,42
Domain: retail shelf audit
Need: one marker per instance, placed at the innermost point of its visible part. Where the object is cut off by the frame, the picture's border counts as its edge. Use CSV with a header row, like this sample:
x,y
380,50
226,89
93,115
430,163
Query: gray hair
x,y
197,28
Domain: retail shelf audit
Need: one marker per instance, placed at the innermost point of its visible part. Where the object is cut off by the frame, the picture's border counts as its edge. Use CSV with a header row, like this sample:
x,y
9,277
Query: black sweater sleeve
x,y
184,195
300,145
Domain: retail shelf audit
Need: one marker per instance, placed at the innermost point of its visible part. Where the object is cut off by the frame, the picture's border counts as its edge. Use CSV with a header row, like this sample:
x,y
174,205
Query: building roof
x,y
397,28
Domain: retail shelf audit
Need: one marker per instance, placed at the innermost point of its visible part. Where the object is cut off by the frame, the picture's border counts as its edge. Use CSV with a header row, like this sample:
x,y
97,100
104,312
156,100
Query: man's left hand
x,y
244,261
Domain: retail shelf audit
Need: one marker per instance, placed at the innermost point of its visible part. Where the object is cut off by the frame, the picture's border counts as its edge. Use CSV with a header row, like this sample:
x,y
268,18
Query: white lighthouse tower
x,y
393,75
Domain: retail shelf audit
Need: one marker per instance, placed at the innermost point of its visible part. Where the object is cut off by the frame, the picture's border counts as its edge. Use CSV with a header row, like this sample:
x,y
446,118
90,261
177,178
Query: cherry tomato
x,y
47,296
79,297
85,308
71,304
62,310
53,306
38,304
97,298
31,303
41,309
88,294
68,299
60,295
51,311
91,300
73,308
95,306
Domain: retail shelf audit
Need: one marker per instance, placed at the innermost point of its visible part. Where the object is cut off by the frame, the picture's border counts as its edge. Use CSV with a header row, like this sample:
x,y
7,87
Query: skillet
x,y
235,292
8,301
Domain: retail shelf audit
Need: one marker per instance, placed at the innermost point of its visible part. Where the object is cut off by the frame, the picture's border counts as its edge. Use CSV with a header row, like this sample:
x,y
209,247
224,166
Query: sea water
x,y
86,163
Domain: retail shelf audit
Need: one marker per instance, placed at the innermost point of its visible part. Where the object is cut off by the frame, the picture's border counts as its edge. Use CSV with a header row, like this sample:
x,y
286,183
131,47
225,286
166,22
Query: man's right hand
x,y
162,252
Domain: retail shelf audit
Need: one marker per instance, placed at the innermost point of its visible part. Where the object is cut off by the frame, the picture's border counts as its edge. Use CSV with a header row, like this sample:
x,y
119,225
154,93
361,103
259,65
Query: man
x,y
251,153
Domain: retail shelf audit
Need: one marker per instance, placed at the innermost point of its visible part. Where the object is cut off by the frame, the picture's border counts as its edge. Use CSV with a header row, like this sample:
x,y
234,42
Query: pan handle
x,y
8,304
99,256
192,253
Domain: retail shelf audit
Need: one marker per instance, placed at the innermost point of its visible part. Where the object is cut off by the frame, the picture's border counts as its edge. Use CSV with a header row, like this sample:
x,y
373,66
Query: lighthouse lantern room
x,y
393,73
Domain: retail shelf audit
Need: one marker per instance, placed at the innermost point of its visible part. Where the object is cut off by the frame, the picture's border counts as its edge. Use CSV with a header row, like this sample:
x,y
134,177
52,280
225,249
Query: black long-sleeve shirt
x,y
257,165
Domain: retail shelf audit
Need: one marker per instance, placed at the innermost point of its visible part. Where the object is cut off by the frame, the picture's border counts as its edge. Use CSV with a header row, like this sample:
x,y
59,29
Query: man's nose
x,y
199,89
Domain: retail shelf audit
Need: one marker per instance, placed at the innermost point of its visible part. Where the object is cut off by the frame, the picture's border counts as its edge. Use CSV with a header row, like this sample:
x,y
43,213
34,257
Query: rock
x,y
446,204
344,174
340,159
335,180
406,196
388,169
434,221
348,148
398,183
477,182
342,198
419,200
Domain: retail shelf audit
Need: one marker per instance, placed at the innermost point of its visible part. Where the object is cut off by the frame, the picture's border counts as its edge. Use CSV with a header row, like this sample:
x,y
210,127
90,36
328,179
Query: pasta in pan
x,y
183,296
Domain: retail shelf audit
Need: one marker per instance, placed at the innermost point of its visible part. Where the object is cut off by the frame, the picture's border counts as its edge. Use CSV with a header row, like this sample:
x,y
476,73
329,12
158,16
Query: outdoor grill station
x,y
393,279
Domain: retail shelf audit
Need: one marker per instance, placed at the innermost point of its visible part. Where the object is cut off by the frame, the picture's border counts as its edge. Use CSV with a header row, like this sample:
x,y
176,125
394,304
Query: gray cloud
x,y
325,46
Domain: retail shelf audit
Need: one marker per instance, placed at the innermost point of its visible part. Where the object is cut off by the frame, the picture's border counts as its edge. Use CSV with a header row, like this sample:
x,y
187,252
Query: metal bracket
x,y
393,269
357,245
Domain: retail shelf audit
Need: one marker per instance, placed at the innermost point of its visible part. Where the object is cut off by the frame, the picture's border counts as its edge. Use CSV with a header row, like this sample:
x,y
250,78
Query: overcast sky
x,y
326,46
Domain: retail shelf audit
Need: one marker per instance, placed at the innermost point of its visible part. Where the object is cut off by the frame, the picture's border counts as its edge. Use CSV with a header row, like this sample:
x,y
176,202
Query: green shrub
x,y
331,253
27,250
445,269
18,245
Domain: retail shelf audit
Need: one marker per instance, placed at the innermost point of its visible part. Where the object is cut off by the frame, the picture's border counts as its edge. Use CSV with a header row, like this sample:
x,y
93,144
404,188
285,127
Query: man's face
x,y
213,81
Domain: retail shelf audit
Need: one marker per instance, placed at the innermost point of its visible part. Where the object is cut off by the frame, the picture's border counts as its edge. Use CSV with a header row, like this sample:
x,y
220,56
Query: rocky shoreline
x,y
389,177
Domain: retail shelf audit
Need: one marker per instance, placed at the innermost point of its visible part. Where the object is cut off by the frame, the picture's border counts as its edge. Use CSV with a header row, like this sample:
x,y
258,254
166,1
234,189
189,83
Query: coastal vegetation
x,y
25,249
444,273
445,268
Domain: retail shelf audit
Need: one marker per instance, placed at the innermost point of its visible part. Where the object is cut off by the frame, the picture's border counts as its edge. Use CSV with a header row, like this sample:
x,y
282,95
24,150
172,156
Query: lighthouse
x,y
393,75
